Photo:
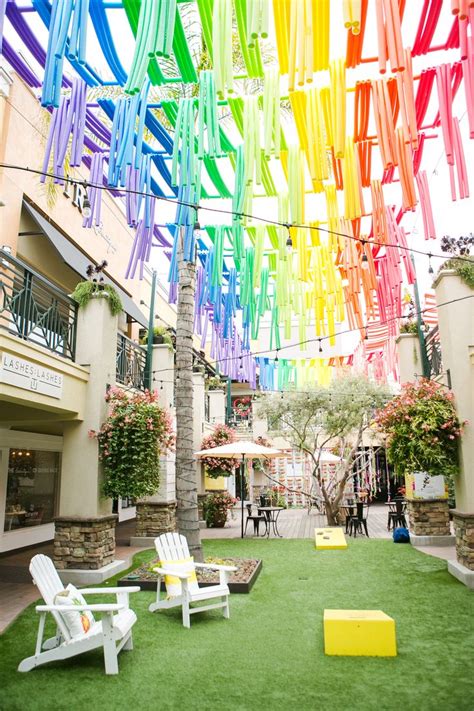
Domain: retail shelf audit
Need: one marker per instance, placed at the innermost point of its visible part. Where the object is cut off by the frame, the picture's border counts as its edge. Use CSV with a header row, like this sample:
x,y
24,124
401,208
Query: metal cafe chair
x,y
358,522
256,520
396,516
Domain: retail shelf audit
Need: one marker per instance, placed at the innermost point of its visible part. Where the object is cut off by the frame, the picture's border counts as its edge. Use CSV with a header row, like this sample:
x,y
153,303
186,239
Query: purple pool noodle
x,y
3,6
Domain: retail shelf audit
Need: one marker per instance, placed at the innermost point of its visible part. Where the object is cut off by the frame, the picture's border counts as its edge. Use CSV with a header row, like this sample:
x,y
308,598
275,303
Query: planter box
x,y
428,518
145,580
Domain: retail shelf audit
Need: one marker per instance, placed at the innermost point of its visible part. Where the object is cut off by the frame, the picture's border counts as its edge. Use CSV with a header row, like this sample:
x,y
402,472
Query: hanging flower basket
x,y
219,466
135,434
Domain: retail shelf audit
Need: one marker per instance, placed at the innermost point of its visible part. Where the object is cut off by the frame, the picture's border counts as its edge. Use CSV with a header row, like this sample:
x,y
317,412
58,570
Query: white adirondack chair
x,y
173,548
113,631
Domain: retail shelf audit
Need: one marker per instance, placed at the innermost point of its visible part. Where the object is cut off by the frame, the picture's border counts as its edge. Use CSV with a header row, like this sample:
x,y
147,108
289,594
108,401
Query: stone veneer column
x,y
155,518
429,519
85,526
464,530
84,543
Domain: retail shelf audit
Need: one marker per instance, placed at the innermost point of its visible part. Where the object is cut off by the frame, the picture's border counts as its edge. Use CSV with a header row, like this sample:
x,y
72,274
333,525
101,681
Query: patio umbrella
x,y
245,450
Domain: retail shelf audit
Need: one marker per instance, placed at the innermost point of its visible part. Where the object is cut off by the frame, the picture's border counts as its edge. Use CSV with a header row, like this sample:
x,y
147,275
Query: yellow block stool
x,y
329,538
359,633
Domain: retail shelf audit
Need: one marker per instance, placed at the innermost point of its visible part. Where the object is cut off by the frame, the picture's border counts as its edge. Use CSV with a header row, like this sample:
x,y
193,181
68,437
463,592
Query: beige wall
x,y
456,330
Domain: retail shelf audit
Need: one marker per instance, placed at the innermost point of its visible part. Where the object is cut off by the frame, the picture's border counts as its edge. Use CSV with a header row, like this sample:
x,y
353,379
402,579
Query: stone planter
x,y
429,522
428,510
84,543
464,530
153,519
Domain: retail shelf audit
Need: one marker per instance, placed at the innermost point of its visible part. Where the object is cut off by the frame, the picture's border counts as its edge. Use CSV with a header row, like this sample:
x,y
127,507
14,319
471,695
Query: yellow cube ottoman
x,y
359,633
329,538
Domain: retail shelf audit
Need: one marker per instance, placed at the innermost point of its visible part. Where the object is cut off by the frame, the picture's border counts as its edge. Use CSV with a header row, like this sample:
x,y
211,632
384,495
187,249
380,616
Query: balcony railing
x,y
34,309
131,363
433,352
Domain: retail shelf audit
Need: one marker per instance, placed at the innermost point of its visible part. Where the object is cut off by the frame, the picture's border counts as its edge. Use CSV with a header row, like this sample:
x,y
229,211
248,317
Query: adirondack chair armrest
x,y
174,573
213,566
109,607
113,591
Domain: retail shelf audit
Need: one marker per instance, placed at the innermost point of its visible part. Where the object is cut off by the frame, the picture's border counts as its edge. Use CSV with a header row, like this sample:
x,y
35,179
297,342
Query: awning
x,y
79,262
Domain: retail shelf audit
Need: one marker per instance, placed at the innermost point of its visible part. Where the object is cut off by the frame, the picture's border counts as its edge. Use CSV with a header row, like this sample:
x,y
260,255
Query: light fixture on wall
x,y
86,204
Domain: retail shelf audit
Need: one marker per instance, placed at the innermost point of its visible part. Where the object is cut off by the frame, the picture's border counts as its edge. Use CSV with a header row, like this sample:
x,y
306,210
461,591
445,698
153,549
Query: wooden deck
x,y
298,523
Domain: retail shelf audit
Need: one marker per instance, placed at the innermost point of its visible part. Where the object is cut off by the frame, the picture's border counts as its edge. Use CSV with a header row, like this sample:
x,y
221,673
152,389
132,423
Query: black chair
x,y
358,522
256,519
346,511
397,517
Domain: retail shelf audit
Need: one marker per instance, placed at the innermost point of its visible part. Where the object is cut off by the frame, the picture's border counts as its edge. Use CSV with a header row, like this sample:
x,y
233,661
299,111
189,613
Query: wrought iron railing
x,y
34,309
131,363
433,352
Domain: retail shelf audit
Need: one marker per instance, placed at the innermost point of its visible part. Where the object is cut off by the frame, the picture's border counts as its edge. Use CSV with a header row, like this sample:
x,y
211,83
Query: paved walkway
x,y
17,590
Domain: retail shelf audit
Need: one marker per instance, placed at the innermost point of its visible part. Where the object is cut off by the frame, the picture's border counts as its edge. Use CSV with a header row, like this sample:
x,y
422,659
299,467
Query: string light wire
x,y
222,211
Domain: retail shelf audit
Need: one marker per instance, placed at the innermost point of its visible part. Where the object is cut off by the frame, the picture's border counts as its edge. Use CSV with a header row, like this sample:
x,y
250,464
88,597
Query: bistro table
x,y
10,515
271,514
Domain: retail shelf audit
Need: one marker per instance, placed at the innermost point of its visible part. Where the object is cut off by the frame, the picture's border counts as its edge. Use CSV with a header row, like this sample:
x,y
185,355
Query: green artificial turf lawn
x,y
269,655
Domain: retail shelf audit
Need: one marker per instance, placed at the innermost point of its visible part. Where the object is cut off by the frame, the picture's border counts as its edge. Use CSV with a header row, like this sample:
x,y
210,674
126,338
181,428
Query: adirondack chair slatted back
x,y
172,547
48,582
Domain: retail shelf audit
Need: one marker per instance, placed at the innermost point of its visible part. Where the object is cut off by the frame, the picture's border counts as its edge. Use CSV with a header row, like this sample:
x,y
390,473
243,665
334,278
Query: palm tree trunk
x,y
186,470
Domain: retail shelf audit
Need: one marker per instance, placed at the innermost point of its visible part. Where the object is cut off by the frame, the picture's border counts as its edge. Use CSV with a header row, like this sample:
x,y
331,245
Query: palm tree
x,y
186,470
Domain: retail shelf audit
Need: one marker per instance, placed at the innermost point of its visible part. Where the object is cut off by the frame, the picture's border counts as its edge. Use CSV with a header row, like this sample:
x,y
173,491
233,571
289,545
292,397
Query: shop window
x,y
32,486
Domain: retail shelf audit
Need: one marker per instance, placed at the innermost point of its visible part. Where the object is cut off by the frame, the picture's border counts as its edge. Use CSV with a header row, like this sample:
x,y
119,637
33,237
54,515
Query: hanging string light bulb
x,y
365,259
86,204
430,266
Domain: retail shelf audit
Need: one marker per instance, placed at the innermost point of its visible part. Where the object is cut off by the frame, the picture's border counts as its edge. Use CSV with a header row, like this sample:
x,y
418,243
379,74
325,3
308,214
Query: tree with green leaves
x,y
323,418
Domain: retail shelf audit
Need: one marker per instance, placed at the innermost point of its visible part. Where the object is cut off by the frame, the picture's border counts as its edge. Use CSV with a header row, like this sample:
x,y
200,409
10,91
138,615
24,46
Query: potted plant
x,y
219,466
409,326
215,383
423,431
95,287
216,507
161,334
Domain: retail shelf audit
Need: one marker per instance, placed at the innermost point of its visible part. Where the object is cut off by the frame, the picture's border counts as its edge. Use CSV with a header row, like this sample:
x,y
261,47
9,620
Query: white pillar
x,y
409,356
163,382
81,479
456,330
216,406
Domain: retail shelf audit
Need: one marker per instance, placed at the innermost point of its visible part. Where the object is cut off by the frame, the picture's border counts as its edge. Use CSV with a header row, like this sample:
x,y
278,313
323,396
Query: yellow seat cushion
x,y
173,583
